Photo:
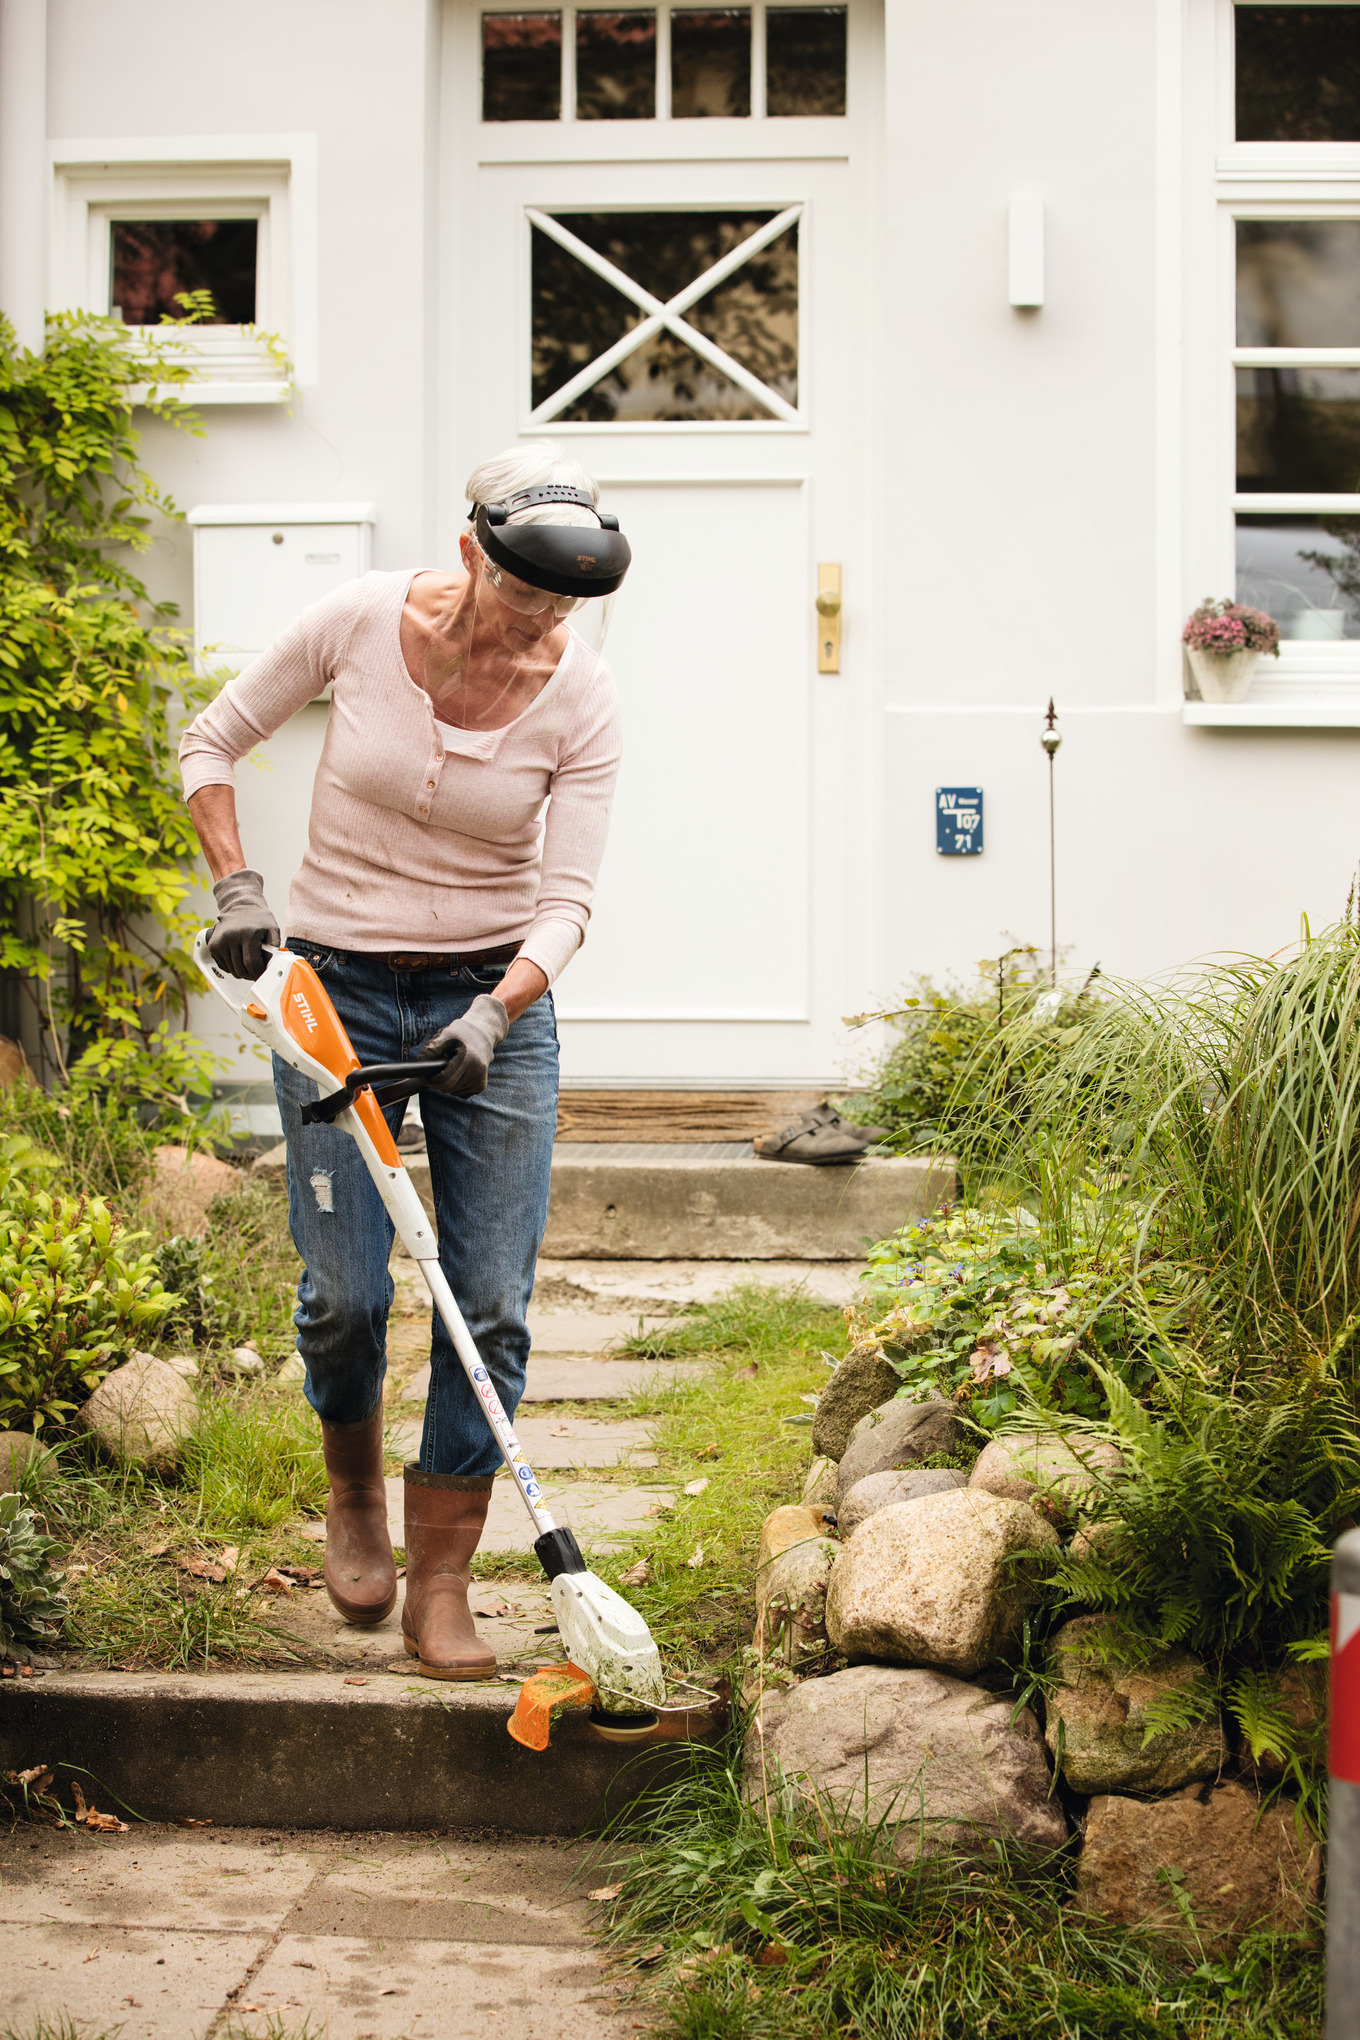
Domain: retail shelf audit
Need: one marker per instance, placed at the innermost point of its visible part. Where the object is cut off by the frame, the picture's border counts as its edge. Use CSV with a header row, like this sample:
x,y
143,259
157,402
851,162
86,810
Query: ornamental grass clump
x,y
1222,628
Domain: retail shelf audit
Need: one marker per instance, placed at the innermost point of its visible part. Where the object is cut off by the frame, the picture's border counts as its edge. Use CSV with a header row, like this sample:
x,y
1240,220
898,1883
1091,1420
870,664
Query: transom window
x,y
1297,73
645,317
579,63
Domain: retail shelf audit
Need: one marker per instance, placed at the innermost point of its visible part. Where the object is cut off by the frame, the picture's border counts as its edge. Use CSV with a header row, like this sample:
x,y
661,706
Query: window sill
x,y
195,393
228,365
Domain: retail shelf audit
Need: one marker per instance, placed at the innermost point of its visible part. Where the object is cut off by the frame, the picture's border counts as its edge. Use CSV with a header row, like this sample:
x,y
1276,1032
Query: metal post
x,y
1052,741
1343,1854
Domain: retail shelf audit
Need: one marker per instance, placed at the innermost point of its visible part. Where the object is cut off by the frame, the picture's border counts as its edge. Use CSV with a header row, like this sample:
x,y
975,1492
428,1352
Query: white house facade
x,y
1020,325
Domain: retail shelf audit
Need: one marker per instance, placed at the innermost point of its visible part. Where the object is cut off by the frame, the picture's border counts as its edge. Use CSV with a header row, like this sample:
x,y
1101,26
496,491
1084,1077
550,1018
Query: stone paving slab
x,y
666,1286
579,1331
556,1378
167,1935
557,1442
596,1510
513,1636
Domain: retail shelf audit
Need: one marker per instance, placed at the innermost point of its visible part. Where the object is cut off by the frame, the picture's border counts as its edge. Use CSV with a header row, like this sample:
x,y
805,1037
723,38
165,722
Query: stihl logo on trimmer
x,y
300,1002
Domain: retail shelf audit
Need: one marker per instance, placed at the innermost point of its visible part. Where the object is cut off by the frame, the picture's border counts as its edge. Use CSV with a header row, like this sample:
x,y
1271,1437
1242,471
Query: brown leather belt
x,y
468,959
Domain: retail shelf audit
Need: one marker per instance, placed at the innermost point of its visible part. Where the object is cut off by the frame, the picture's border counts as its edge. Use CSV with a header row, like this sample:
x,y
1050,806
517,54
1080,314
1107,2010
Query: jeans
x,y
490,1161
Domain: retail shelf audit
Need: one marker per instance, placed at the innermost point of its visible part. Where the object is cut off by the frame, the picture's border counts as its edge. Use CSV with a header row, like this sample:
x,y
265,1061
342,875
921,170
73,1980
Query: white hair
x,y
530,467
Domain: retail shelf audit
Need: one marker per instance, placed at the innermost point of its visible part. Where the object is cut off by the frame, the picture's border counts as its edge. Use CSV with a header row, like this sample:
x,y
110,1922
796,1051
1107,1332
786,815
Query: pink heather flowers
x,y
1223,628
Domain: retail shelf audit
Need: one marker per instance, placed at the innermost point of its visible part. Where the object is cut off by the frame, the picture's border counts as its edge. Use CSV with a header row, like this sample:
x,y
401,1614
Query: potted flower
x,y
1224,640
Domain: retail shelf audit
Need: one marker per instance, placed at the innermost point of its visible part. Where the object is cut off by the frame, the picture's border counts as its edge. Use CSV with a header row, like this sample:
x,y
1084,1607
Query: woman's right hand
x,y
244,925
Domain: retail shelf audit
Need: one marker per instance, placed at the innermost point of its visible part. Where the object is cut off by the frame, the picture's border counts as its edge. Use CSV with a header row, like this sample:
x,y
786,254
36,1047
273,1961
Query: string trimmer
x,y
613,1663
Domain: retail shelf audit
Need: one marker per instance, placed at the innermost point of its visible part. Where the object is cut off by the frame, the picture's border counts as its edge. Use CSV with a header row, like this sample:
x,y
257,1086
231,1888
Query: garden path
x,y
357,1937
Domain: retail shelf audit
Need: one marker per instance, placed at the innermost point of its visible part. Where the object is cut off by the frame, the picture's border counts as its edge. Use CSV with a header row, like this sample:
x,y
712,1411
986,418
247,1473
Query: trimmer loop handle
x,y
398,1080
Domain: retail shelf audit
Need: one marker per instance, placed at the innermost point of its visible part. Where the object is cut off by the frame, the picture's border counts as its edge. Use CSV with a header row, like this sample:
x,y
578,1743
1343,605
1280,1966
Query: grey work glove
x,y
469,1044
244,925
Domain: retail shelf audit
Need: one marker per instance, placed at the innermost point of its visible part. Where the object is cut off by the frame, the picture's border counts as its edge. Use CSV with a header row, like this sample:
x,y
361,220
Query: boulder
x,y
293,1370
791,1602
792,1525
1098,1716
184,1184
242,1360
896,1434
1300,1694
931,1582
943,1764
183,1363
142,1412
1061,1470
1237,1864
863,1380
880,1490
820,1485
19,1450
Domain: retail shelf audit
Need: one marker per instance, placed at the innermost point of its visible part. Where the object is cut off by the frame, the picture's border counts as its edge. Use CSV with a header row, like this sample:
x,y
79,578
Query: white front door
x,y
682,303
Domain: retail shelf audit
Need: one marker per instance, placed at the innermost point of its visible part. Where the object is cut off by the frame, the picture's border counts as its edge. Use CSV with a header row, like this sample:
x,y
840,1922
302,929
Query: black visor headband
x,y
564,559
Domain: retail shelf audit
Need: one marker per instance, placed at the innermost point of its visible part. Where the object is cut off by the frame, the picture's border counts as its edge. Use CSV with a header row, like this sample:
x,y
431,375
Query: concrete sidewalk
x,y
164,1934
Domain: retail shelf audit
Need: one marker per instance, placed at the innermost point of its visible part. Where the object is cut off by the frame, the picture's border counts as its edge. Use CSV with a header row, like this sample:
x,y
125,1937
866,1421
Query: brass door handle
x,y
828,618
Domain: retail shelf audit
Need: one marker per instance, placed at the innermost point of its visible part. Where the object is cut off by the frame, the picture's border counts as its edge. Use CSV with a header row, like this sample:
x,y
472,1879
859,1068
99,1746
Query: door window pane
x,y
752,315
521,66
1298,283
805,60
1298,74
1298,429
152,261
711,64
616,66
1303,571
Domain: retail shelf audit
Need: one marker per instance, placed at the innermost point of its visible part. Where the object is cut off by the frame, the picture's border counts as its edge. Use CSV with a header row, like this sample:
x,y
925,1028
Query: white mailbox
x,y
258,565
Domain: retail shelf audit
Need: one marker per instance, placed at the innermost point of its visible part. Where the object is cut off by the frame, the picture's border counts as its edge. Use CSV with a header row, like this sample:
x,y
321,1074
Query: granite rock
x,y
880,1490
1238,1864
896,1434
863,1380
791,1602
19,1450
1061,1472
184,1184
792,1525
933,1582
946,1765
1098,1716
143,1412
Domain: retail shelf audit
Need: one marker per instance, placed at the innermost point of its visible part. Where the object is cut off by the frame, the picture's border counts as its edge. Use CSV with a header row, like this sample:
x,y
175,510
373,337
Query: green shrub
x,y
951,1045
74,1297
32,1605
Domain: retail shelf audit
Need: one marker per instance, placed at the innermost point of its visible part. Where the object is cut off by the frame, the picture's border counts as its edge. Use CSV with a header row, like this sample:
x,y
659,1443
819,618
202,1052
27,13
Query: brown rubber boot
x,y
361,1574
445,1517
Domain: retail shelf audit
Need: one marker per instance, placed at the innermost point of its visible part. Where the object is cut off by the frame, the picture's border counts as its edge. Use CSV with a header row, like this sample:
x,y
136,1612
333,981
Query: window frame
x,y
663,10
271,179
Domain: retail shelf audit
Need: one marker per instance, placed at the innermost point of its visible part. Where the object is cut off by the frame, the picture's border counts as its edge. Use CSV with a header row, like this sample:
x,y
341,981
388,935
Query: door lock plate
x,y
829,618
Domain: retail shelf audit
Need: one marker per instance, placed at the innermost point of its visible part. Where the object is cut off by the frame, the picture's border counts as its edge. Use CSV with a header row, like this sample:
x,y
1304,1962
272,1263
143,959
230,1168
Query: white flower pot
x,y
1328,624
1222,676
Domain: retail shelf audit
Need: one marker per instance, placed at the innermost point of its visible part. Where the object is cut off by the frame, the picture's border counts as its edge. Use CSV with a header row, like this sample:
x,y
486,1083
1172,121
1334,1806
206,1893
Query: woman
x,y
437,906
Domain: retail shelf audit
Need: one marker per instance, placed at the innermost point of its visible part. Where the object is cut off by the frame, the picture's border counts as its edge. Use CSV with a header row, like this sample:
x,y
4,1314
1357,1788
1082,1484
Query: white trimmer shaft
x,y
288,1009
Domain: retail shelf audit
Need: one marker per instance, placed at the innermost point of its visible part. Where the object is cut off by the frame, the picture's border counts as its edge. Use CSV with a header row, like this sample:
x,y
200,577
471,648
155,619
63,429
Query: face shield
x,y
525,582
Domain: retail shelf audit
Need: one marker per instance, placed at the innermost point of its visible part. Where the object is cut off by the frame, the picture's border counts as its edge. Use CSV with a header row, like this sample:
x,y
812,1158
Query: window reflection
x,y
752,315
152,261
616,66
521,66
1298,283
1298,74
1303,571
711,64
805,60
1298,430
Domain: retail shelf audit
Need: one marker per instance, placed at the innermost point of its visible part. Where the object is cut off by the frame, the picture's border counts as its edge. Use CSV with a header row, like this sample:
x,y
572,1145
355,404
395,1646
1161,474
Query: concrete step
x,y
662,1288
712,1201
315,1750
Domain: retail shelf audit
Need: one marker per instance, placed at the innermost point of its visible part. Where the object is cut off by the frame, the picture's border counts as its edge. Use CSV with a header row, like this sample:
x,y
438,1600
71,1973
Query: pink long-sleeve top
x,y
422,837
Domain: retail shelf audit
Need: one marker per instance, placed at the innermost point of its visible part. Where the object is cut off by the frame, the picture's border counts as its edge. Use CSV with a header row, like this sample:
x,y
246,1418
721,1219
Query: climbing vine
x,y
96,847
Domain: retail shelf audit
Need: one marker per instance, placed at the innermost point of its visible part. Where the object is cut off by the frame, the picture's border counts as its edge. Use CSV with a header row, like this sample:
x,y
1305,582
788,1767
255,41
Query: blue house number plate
x,y
958,821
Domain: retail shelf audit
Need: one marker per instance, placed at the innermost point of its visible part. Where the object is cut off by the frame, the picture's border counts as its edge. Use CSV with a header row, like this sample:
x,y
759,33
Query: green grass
x,y
742,1922
727,1428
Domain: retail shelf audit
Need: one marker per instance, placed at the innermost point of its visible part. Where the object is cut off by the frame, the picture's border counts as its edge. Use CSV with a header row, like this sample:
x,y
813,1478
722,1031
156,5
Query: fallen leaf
x,y
159,1550
696,1558
94,1957
560,1431
659,1509
772,1956
356,1682
37,1775
495,1607
695,1487
305,1575
79,1797
25,1671
106,1823
391,1991
204,1569
605,1894
187,1821
709,1452
746,1373
637,1575
652,1955
274,1582
315,1533
228,1556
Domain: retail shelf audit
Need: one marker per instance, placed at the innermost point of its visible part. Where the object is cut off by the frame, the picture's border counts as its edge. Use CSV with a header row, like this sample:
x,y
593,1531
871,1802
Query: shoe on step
x,y
820,1138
